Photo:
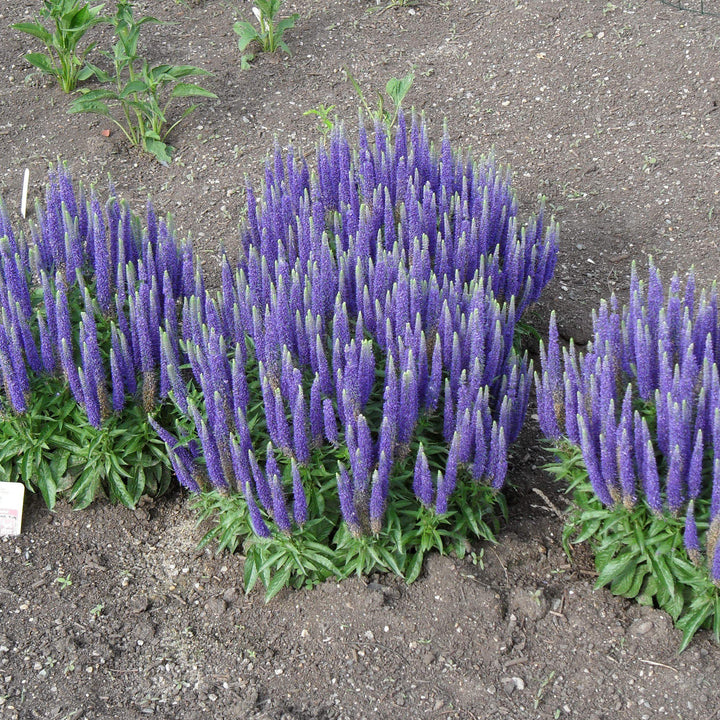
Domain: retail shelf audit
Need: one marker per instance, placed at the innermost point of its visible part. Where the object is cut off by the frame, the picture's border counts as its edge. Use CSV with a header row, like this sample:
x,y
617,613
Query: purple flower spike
x,y
715,570
299,498
118,386
330,421
694,472
422,480
364,441
378,501
210,450
11,384
280,512
316,413
262,488
592,465
408,414
300,438
92,406
256,520
497,460
281,424
441,500
674,482
449,413
347,502
651,478
690,536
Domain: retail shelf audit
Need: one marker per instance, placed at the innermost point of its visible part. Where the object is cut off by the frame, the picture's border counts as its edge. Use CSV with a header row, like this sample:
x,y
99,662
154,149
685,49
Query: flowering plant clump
x,y
355,381
82,305
635,423
343,402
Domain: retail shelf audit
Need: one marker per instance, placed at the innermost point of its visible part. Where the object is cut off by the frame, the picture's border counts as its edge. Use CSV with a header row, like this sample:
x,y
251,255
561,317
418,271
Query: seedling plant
x,y
395,91
63,60
269,36
142,92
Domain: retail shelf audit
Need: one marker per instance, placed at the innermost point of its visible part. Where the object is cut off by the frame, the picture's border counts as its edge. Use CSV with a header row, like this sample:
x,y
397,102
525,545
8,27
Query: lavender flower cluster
x,y
643,403
379,291
107,290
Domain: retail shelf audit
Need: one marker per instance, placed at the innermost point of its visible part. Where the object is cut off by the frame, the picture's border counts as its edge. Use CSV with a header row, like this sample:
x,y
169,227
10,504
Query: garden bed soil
x,y
608,109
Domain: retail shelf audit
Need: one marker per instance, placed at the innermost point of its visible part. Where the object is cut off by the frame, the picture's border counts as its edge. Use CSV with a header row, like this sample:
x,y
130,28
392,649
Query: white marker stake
x,y
12,495
23,201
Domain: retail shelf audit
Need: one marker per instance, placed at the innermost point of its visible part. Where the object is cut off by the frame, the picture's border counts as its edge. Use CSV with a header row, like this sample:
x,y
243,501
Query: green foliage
x,y
142,92
325,548
34,448
322,113
638,554
395,91
123,460
63,61
270,34
53,450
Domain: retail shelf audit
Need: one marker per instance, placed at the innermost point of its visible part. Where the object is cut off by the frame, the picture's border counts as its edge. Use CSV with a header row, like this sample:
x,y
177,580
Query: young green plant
x,y
143,92
63,61
270,34
395,91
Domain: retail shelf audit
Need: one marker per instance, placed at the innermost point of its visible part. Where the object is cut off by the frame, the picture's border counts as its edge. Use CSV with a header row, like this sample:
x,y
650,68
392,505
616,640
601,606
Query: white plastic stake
x,y
23,201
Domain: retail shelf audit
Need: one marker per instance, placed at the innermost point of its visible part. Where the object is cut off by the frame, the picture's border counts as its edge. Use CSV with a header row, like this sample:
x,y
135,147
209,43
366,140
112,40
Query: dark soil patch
x,y
608,109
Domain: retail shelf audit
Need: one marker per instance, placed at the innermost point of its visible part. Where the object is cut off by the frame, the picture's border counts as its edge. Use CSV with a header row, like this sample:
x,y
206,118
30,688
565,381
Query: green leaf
x,y
41,61
589,530
286,24
247,33
251,572
34,29
46,484
134,86
664,575
85,488
397,89
81,105
616,568
278,582
414,567
160,150
191,90
693,621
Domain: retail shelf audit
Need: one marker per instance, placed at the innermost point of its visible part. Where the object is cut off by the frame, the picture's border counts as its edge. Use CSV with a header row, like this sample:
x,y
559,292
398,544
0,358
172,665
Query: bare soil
x,y
608,109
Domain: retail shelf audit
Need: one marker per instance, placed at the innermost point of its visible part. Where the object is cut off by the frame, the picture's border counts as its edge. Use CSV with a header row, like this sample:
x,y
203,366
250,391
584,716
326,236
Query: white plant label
x,y
12,495
23,199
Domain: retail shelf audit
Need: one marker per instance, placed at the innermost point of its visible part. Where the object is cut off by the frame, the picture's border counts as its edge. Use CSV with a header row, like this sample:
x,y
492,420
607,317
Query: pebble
x,y
642,627
139,603
216,606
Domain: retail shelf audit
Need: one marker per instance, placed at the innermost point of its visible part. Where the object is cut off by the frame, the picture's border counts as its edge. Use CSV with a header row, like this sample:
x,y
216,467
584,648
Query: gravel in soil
x,y
609,110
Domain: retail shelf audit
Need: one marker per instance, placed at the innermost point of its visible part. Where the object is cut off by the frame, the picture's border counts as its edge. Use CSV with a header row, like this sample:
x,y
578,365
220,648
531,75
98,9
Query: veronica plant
x,y
82,306
635,426
269,36
63,61
142,92
355,382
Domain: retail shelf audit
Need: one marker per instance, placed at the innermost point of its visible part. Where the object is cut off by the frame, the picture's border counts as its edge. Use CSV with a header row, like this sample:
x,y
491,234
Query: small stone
x,y
641,627
230,595
139,604
428,658
216,606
